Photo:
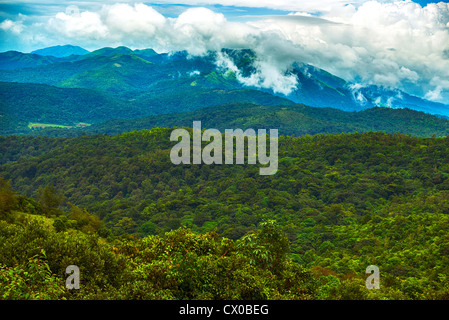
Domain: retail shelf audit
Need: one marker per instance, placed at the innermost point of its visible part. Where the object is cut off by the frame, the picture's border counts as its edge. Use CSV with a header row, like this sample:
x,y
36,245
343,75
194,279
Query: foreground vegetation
x,y
177,265
140,227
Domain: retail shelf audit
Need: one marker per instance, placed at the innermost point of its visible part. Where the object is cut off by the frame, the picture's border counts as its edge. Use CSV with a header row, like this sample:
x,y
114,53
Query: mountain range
x,y
65,85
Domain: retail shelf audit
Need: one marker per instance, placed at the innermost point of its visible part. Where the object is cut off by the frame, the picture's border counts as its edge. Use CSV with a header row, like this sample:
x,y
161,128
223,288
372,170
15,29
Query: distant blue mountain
x,y
61,51
319,88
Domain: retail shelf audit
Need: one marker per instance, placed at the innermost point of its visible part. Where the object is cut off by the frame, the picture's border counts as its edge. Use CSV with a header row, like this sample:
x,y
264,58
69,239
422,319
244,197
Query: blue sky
x,y
424,3
400,44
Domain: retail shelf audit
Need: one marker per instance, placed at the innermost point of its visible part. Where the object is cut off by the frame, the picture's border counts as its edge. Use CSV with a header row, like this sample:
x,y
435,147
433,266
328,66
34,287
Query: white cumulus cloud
x,y
16,27
397,44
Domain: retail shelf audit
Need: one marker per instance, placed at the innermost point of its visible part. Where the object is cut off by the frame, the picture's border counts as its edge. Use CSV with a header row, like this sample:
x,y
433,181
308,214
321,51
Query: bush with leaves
x,y
32,280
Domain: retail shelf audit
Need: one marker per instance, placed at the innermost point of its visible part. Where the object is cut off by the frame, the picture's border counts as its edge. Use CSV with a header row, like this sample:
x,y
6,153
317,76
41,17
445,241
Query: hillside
x,y
22,104
343,201
16,60
38,243
25,103
288,119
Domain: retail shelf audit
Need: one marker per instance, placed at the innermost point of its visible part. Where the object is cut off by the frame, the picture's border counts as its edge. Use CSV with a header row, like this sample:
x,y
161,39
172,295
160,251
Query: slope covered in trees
x,y
288,119
25,103
343,202
37,247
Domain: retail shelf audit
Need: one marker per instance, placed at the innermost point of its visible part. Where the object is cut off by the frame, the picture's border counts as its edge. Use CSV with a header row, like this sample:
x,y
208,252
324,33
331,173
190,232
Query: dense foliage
x,y
140,227
288,119
25,103
35,252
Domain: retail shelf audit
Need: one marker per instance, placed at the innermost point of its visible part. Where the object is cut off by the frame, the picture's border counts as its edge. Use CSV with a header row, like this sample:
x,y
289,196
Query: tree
x,y
8,199
51,200
85,221
267,248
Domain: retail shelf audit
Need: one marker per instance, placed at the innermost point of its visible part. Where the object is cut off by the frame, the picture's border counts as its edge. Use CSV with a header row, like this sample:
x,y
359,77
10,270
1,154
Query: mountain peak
x,y
61,51
107,51
145,52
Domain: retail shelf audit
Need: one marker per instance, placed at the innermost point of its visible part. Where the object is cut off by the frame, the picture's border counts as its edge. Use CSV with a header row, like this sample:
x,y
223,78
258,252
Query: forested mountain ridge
x,y
25,104
22,104
158,79
288,119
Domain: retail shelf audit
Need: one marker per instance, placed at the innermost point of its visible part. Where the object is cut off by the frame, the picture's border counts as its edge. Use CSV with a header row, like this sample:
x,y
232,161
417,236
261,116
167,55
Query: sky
x,y
397,44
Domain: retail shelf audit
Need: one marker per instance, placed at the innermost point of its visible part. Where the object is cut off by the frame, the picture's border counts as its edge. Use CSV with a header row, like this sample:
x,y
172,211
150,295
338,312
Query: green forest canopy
x,y
341,202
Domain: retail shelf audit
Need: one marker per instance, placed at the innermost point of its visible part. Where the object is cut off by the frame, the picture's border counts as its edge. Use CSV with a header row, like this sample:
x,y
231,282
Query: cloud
x,y
434,95
15,27
138,25
139,20
406,41
112,23
197,30
266,74
357,94
397,44
439,86
78,25
269,76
